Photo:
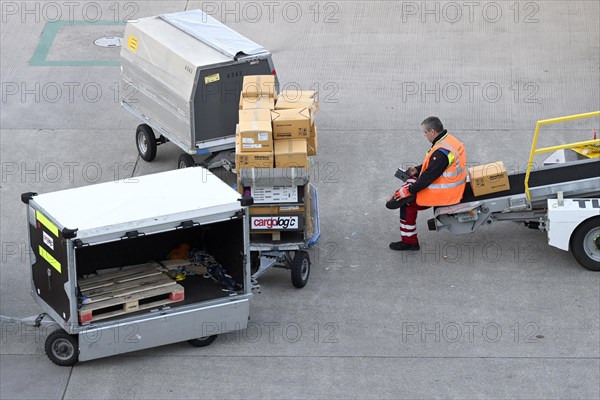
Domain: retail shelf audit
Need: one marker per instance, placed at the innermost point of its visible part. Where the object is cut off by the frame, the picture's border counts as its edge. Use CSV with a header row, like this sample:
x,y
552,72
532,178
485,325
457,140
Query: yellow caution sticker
x,y
46,222
132,43
51,260
211,78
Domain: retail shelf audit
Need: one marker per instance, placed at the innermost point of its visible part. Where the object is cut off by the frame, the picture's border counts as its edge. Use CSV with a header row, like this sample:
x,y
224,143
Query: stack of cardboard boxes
x,y
276,132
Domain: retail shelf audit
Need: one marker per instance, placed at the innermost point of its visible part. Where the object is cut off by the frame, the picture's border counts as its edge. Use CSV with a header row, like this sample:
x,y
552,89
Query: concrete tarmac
x,y
497,314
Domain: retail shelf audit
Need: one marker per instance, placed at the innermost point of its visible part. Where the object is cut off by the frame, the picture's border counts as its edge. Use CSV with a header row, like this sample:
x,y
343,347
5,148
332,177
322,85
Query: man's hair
x,y
433,123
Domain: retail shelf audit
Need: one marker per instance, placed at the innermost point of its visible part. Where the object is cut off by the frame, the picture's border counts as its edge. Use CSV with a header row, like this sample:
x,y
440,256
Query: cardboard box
x,y
259,85
489,178
295,95
291,123
312,144
259,159
284,103
255,136
257,114
291,153
252,103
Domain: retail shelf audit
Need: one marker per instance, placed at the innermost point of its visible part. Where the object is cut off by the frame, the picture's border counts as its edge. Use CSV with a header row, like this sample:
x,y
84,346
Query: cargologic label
x,y
274,223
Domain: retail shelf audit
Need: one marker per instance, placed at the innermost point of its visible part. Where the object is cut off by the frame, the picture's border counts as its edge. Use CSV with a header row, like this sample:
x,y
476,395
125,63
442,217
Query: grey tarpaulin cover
x,y
212,32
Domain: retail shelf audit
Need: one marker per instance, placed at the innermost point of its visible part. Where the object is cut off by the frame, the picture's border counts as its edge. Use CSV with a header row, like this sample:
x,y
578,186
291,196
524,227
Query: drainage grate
x,y
109,42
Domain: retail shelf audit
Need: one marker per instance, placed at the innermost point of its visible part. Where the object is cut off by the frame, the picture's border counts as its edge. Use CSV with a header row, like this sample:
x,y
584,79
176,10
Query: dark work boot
x,y
401,246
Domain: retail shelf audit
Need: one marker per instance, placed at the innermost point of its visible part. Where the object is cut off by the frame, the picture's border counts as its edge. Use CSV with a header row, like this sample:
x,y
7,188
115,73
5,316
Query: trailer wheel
x,y
62,348
203,341
185,161
300,269
585,244
145,142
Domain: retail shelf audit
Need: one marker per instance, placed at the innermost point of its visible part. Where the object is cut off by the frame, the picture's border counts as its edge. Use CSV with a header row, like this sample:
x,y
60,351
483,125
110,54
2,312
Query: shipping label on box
x,y
291,123
262,102
259,85
275,194
291,153
254,160
255,136
256,114
489,178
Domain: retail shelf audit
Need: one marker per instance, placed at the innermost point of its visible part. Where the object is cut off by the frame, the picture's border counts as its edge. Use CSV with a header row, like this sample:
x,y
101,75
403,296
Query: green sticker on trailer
x,y
212,78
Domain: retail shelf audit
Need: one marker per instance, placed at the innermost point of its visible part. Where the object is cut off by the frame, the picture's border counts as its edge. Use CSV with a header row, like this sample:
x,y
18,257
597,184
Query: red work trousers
x,y
408,222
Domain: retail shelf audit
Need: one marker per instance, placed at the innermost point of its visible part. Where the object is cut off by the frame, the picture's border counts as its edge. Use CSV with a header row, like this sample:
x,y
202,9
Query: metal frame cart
x,y
289,228
96,264
182,75
562,198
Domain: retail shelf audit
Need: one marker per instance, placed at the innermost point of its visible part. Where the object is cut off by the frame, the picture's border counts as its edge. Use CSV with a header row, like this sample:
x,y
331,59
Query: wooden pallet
x,y
126,291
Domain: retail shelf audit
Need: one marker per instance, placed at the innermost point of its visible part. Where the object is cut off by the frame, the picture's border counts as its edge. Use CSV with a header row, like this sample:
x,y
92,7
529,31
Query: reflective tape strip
x,y
459,171
408,233
408,226
454,158
51,260
46,222
446,185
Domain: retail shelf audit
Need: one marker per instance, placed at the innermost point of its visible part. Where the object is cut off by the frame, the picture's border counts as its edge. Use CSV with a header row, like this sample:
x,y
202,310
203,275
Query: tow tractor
x,y
561,198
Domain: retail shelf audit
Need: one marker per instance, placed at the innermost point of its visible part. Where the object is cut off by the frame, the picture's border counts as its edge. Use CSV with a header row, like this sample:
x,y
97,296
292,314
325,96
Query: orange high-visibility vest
x,y
448,188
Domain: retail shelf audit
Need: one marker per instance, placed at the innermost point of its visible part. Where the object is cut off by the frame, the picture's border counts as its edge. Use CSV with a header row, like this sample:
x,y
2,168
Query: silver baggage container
x,y
183,75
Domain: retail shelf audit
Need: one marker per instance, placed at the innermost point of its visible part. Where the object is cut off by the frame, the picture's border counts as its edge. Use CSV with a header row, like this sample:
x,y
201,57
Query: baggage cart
x,y
287,235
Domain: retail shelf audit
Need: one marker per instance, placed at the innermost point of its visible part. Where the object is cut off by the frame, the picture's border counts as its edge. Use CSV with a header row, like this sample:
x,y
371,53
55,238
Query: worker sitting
x,y
440,181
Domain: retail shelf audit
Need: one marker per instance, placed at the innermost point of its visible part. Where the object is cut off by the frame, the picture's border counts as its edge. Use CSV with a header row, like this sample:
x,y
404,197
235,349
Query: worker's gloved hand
x,y
401,197
402,193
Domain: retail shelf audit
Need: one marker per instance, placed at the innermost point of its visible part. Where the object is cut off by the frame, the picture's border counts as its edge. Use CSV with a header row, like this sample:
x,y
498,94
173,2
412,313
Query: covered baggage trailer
x,y
101,268
183,75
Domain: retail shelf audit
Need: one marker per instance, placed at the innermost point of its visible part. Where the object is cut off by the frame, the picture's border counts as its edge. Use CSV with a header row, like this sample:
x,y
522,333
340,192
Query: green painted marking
x,y
49,35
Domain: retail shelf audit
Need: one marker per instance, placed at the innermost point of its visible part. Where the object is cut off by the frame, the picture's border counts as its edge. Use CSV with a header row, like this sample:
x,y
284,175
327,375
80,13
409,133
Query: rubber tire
x,y
185,161
61,337
202,342
300,269
577,244
145,134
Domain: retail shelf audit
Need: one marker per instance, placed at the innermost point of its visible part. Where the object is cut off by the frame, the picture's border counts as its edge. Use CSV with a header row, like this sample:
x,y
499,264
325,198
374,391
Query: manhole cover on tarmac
x,y
109,42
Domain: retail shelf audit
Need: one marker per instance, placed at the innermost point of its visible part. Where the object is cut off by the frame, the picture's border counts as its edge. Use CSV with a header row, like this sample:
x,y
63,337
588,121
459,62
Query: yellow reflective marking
x,y
450,158
46,222
132,43
212,78
51,260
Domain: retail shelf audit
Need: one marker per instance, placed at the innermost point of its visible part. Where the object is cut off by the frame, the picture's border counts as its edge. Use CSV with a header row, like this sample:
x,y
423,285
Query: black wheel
x,y
62,348
300,269
185,161
145,142
585,244
202,342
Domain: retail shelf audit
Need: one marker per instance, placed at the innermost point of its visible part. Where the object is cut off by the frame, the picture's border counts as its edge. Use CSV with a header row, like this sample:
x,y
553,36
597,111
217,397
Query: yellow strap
x,y
46,222
51,260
